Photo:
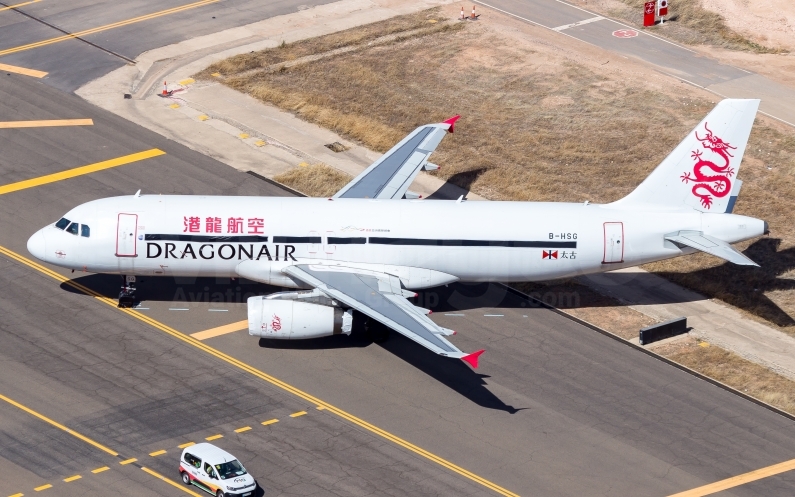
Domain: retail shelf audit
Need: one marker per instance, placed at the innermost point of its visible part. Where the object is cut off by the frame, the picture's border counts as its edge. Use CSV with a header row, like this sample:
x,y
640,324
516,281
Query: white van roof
x,y
209,453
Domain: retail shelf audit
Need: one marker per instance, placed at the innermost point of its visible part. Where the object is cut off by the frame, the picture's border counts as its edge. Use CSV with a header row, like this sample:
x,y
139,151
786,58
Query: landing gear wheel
x,y
220,493
376,331
185,478
127,294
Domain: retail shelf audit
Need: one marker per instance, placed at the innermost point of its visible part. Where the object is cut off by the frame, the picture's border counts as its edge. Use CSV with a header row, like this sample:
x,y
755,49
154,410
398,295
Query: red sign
x,y
662,8
625,33
552,254
649,9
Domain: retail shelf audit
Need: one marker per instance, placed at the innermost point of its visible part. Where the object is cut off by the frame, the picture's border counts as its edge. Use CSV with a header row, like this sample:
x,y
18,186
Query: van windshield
x,y
230,469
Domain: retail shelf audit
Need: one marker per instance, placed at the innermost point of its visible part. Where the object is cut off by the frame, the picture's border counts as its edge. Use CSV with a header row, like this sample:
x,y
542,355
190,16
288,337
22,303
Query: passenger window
x,y
209,470
85,230
73,228
62,224
192,460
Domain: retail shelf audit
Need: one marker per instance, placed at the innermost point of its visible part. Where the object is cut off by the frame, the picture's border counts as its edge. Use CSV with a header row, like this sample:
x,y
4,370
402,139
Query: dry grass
x,y
538,125
728,368
689,22
317,180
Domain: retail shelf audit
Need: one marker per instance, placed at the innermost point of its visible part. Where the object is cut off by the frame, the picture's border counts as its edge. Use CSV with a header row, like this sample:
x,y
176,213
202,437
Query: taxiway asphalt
x,y
109,34
555,409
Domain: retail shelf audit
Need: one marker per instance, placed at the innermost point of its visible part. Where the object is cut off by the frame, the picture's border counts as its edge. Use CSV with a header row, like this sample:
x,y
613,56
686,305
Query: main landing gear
x,y
127,294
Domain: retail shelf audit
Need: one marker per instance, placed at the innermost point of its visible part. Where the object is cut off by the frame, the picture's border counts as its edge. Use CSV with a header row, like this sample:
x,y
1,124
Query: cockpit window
x,y
73,228
85,230
62,224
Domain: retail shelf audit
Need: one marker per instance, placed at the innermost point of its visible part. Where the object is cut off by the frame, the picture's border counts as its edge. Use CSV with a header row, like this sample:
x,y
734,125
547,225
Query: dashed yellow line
x,y
269,422
263,376
79,171
128,461
100,470
46,124
59,425
241,430
736,481
106,27
72,478
16,6
157,453
43,487
22,70
296,414
214,437
188,444
17,495
320,408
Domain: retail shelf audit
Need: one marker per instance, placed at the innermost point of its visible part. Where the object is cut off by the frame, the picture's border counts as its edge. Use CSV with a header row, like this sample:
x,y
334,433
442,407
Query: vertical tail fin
x,y
701,172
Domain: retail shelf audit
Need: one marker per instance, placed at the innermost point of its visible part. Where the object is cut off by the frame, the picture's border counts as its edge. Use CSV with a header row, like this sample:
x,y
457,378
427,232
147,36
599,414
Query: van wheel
x,y
220,493
185,478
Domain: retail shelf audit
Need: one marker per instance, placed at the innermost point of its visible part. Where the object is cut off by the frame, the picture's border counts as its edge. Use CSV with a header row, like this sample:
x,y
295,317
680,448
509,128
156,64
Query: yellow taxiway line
x,y
78,171
19,5
106,27
221,330
44,124
23,70
738,480
261,375
59,426
176,485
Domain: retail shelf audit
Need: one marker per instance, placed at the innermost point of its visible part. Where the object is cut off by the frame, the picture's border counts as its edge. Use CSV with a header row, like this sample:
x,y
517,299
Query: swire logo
x,y
552,254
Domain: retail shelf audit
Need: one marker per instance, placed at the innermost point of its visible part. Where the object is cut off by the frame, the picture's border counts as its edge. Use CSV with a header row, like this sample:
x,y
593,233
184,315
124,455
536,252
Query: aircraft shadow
x,y
457,185
740,286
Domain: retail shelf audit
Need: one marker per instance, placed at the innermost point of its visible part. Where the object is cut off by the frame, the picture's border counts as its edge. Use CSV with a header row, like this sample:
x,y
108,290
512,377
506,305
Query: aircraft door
x,y
312,245
614,243
126,233
329,248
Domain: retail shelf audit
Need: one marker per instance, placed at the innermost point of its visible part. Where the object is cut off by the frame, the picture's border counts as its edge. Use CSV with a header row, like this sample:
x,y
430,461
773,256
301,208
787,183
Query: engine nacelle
x,y
292,320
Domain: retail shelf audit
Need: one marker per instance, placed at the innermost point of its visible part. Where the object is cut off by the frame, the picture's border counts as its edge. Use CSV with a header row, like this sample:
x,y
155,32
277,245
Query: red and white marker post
x,y
649,11
662,10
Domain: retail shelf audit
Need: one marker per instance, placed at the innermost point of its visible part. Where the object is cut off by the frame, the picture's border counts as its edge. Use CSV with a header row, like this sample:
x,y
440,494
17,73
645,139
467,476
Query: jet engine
x,y
293,320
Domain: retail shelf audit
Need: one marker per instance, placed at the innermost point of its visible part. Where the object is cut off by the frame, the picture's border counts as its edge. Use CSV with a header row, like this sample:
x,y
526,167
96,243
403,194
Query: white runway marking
x,y
177,309
578,23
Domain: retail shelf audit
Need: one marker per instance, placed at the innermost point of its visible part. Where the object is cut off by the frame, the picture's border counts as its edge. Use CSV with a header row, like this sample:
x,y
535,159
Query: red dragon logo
x,y
276,323
708,184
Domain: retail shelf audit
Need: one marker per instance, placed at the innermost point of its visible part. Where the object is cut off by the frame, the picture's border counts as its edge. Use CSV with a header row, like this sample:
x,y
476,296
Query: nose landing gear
x,y
127,294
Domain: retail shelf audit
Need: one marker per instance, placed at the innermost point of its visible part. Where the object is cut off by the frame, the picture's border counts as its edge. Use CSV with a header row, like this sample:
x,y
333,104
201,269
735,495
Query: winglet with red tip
x,y
452,121
472,358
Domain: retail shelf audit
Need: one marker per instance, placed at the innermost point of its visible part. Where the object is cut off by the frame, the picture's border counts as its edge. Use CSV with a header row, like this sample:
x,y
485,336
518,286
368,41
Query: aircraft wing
x,y
710,245
391,175
379,296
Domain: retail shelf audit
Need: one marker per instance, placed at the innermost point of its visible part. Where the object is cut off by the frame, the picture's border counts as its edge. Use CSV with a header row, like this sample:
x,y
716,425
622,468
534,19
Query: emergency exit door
x,y
126,234
614,243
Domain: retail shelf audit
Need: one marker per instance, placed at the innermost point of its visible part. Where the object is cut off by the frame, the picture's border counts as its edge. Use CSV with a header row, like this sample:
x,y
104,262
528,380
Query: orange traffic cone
x,y
473,16
463,16
165,89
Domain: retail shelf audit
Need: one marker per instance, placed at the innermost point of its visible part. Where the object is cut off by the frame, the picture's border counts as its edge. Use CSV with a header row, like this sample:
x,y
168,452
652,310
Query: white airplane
x,y
370,245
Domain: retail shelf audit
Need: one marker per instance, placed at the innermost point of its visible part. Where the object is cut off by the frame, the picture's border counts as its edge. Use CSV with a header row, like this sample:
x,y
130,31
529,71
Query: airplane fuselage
x,y
424,242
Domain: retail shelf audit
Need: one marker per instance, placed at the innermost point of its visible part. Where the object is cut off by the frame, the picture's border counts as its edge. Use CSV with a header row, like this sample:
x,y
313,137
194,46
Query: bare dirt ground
x,y
768,22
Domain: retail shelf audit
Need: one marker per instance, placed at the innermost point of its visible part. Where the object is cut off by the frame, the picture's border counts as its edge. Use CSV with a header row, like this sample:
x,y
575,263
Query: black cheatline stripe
x,y
206,238
347,241
296,239
471,243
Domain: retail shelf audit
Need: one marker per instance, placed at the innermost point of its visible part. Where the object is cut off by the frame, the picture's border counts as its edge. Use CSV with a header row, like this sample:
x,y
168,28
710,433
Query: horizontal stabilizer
x,y
710,245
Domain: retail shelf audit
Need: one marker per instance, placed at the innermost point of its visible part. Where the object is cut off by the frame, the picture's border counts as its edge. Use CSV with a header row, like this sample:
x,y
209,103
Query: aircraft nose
x,y
37,245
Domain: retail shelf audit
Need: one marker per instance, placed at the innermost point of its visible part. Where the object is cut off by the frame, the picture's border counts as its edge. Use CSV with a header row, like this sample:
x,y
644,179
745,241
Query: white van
x,y
215,471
